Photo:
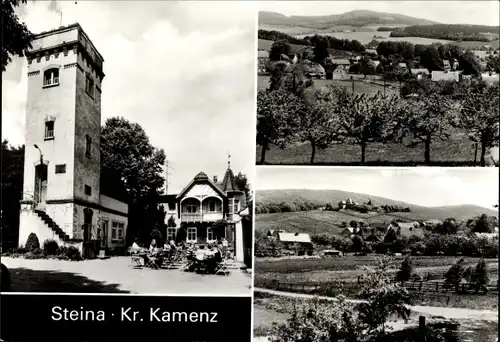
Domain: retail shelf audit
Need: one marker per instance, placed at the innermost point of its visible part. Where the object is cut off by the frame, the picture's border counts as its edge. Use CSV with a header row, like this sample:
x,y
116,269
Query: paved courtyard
x,y
114,275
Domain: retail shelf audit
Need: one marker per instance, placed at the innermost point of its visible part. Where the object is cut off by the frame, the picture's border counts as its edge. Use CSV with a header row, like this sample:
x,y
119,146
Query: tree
x,y
366,119
429,58
274,125
482,225
406,270
358,244
321,46
426,119
384,297
242,183
131,162
479,115
12,193
455,274
469,64
480,277
279,48
449,226
16,38
318,120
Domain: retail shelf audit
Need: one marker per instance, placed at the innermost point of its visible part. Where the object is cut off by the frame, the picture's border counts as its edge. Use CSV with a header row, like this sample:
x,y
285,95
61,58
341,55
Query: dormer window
x,y
51,77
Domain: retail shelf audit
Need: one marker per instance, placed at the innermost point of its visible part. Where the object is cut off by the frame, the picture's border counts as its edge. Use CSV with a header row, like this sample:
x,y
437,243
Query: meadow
x,y
458,150
320,221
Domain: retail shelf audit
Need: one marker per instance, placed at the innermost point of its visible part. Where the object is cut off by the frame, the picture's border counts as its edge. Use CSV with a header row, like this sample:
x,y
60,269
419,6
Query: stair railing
x,y
34,200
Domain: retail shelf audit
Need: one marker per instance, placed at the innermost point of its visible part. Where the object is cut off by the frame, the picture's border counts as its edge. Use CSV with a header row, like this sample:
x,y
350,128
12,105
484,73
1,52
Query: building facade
x,y
61,186
206,211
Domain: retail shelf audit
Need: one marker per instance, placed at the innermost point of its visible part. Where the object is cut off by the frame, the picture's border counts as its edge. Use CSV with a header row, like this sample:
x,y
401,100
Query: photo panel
x,y
128,136
377,83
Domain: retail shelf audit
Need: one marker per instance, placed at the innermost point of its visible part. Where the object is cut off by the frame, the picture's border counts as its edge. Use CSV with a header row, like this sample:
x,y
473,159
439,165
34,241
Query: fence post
x,y
420,289
421,329
437,287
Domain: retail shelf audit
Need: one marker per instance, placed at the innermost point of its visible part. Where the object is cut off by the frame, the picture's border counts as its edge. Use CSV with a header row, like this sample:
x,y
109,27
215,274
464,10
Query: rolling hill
x,y
321,197
357,18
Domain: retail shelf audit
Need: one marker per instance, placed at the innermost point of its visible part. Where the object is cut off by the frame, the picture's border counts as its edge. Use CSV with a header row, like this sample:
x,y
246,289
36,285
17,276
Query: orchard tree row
x,y
293,110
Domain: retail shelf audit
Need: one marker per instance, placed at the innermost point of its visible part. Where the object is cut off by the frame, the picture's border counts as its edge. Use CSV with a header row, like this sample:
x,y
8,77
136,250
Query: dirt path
x,y
434,311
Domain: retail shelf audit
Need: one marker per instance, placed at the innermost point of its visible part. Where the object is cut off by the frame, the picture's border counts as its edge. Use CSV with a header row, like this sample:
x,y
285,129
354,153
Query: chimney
x,y
215,179
296,234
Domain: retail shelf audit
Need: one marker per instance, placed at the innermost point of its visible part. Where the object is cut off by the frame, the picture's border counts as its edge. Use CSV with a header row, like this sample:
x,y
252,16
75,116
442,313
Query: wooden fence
x,y
352,288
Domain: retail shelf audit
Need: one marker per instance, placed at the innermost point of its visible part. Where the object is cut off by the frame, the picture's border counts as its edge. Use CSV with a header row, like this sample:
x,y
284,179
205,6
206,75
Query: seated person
x,y
214,258
166,247
152,246
201,253
135,246
190,252
173,248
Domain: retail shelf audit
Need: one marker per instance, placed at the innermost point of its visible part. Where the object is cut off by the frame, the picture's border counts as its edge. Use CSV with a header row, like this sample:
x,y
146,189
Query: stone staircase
x,y
52,225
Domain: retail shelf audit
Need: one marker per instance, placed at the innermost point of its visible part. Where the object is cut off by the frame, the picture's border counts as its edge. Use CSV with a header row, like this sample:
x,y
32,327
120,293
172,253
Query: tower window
x,y
49,130
88,146
88,190
51,77
89,85
61,168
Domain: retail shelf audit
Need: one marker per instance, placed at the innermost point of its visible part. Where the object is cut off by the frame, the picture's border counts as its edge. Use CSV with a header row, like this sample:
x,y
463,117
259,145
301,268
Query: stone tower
x,y
62,137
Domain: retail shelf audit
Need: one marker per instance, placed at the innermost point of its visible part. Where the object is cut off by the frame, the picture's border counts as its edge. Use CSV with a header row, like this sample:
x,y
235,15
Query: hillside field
x,y
360,86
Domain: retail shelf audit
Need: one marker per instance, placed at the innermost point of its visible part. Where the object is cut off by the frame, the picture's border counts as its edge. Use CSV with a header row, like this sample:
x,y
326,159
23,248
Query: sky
x,y
426,186
446,12
183,70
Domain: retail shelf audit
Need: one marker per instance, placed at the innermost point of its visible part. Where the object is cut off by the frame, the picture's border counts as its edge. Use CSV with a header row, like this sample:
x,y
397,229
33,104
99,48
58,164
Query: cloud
x,y
183,70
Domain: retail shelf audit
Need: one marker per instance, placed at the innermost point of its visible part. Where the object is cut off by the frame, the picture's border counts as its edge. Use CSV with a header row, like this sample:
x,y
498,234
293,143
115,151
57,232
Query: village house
x,y
207,210
490,77
349,232
263,60
63,199
300,243
407,229
420,73
337,68
445,76
446,65
273,233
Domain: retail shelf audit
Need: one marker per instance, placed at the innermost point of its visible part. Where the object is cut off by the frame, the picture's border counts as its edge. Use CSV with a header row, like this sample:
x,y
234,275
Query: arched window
x,y
51,77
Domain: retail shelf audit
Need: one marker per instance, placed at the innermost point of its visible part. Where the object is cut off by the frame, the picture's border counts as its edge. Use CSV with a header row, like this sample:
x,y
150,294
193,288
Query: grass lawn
x,y
352,263
457,151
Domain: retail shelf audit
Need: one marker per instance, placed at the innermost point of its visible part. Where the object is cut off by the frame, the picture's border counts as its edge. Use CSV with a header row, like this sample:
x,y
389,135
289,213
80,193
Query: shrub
x,y
32,242
480,277
406,270
73,254
50,247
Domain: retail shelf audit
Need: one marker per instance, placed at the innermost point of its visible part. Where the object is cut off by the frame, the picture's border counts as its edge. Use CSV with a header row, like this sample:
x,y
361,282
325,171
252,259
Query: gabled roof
x,y
417,71
201,177
294,237
262,54
340,61
446,62
402,65
406,229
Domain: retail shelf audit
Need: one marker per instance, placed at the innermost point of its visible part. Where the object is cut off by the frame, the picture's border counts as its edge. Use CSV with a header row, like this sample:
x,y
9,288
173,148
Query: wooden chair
x,y
222,267
153,262
135,258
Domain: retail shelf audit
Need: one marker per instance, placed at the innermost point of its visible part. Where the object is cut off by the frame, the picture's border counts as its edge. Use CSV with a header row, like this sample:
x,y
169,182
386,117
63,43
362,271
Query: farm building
x,y
337,68
402,66
445,76
274,232
432,223
348,232
263,59
332,252
300,243
420,73
371,51
447,65
405,229
373,237
490,77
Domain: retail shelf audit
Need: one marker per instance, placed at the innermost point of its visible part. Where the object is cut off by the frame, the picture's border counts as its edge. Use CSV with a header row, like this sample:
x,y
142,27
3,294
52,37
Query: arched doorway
x,y
40,193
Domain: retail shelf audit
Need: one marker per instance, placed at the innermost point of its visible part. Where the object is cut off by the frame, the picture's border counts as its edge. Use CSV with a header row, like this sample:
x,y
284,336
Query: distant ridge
x,y
352,18
321,197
